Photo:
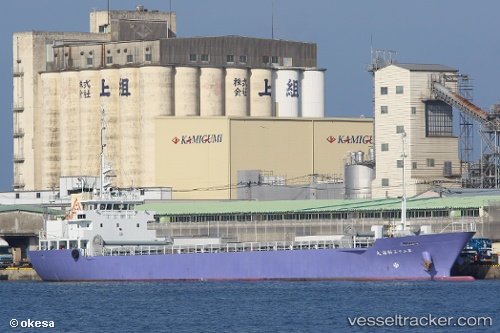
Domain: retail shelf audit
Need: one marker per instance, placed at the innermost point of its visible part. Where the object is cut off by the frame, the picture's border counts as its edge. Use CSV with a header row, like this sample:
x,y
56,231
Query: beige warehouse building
x,y
201,157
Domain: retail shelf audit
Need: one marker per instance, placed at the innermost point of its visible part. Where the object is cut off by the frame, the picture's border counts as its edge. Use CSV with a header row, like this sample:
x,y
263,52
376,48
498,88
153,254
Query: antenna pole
x,y
103,127
272,19
403,203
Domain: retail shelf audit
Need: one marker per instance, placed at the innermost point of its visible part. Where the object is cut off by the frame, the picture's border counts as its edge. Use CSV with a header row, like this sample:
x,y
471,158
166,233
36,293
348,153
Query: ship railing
x,y
234,247
460,227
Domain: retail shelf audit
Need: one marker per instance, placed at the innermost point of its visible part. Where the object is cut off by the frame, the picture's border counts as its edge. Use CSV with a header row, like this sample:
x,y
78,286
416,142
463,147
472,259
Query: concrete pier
x,y
479,272
19,274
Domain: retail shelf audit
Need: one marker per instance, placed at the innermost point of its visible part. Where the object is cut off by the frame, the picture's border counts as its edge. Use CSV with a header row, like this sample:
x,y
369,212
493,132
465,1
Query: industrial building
x,y
413,117
255,103
406,112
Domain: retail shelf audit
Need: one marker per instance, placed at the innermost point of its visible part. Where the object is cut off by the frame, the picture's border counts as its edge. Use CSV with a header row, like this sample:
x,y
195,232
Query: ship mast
x,y
103,127
403,201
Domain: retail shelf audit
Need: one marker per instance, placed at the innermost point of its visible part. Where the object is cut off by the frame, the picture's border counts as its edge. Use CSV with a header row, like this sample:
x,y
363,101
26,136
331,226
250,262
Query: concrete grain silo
x,y
156,99
236,91
186,91
312,97
211,91
129,120
90,124
261,104
70,123
286,89
50,150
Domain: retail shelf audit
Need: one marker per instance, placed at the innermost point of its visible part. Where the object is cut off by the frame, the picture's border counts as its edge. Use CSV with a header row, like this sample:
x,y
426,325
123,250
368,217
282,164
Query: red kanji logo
x,y
330,139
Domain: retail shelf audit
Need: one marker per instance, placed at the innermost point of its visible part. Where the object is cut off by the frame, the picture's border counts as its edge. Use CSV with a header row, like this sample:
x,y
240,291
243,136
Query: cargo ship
x,y
106,238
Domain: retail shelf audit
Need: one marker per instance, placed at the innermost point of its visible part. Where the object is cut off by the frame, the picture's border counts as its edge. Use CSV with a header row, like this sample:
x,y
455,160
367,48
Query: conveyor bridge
x,y
489,129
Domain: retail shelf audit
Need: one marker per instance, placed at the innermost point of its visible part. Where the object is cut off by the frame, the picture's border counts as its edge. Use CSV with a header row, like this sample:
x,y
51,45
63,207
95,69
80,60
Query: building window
x,y
38,195
205,57
275,60
413,165
90,61
192,57
130,58
413,110
438,119
17,195
265,59
384,147
109,60
148,57
400,129
230,58
399,90
430,162
447,169
243,59
384,109
385,181
399,163
383,90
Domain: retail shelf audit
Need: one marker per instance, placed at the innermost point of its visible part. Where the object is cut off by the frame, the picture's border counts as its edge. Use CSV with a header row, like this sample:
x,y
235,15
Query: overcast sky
x,y
456,33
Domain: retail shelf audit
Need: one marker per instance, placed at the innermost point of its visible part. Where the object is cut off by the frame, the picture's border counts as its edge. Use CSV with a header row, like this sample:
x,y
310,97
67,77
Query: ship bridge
x,y
487,170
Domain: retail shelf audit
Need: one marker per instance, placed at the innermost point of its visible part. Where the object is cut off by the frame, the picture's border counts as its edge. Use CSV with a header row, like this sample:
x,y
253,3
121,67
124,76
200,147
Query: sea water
x,y
329,306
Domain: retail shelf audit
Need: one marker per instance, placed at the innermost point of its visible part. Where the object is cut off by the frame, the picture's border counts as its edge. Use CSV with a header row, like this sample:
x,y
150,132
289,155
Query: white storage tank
x,y
236,92
156,100
130,118
186,90
90,115
156,93
313,93
211,91
50,88
70,123
286,89
261,102
358,181
109,100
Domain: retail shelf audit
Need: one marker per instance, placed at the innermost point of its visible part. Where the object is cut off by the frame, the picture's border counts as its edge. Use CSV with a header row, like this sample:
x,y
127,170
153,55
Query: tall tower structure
x,y
404,103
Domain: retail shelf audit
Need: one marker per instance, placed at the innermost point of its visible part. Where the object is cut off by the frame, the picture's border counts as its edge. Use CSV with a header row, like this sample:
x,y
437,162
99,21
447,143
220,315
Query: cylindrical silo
x,y
90,125
312,93
186,90
358,180
286,88
156,100
236,91
70,123
110,102
50,156
130,119
261,102
211,91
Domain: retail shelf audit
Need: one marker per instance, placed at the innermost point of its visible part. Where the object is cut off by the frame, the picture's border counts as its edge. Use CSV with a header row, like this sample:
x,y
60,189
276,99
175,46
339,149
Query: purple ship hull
x,y
400,258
